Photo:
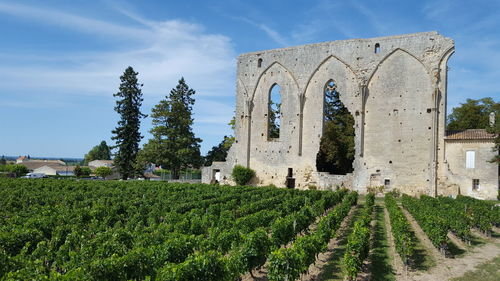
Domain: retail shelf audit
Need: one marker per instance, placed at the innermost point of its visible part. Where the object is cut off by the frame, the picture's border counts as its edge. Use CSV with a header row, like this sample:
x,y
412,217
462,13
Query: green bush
x,y
15,169
103,171
242,175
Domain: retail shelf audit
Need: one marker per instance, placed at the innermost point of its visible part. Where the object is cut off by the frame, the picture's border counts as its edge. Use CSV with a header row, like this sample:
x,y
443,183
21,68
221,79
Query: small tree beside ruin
x,y
336,152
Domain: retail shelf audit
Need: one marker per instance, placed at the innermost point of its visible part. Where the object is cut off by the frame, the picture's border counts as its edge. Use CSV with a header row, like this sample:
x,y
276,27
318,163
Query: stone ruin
x,y
394,87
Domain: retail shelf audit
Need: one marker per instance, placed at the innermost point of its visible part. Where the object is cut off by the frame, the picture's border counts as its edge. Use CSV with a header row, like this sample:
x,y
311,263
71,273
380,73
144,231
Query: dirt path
x,y
457,241
426,242
397,263
317,269
450,268
321,260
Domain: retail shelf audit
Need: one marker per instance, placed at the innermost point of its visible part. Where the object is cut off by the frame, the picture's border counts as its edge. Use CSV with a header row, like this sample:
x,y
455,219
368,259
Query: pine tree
x,y
127,135
174,145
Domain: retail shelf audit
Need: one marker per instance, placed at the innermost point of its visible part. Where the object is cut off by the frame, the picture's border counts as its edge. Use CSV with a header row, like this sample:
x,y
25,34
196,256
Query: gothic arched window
x,y
274,112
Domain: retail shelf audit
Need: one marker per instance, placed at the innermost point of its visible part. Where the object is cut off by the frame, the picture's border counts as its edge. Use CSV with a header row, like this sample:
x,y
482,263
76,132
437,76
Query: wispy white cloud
x,y
273,34
161,51
67,20
377,23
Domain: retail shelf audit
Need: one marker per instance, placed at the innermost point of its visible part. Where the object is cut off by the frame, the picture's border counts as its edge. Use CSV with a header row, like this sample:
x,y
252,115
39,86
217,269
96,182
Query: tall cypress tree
x,y
174,145
127,135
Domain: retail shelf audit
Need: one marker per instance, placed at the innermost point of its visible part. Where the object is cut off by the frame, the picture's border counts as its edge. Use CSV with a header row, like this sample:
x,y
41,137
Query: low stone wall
x,y
327,181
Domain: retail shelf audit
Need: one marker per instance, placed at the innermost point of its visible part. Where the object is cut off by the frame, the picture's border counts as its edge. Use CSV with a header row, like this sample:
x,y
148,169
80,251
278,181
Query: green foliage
x,y
174,145
103,172
288,263
126,134
336,152
3,161
255,248
77,171
200,266
242,175
401,229
98,152
496,148
230,140
110,230
274,119
473,114
429,220
482,214
86,171
358,241
82,171
219,152
16,169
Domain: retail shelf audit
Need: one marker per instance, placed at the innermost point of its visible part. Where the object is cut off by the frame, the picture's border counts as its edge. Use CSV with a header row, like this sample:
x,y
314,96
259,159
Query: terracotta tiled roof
x,y
469,134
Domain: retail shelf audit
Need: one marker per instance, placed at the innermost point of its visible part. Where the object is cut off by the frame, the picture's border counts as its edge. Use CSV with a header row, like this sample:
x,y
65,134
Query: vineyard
x,y
110,230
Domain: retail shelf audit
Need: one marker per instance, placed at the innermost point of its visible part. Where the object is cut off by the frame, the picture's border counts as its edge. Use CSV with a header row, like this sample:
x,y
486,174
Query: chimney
x,y
492,119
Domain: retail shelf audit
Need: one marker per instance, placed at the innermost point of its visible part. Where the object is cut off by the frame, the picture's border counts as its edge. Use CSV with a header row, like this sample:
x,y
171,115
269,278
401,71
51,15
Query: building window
x,y
470,159
387,183
475,184
377,48
259,62
274,112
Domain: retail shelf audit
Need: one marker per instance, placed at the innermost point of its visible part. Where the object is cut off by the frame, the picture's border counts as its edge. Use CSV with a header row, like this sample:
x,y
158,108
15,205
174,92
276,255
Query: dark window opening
x,y
215,176
475,184
336,152
377,48
259,63
387,183
290,180
274,112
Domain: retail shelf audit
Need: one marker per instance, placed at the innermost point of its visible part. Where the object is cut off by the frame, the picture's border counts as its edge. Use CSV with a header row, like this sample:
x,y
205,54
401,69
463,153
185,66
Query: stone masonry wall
x,y
395,88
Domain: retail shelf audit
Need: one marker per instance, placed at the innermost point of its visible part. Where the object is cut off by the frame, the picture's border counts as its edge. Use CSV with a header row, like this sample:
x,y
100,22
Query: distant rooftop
x,y
469,134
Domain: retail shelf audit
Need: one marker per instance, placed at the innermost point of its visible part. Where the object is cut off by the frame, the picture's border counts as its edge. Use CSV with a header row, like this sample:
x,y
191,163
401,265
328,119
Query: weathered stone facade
x,y
467,161
395,88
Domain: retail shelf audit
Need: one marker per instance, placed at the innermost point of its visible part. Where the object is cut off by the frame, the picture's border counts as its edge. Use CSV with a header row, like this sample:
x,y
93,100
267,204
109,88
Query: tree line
x,y
175,147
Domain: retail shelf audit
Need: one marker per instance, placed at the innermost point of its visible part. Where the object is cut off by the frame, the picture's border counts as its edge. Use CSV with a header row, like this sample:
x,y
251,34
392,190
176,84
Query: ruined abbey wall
x,y
395,88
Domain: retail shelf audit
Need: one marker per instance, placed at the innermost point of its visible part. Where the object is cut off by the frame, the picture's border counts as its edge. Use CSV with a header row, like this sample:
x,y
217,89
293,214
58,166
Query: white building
x,y
100,163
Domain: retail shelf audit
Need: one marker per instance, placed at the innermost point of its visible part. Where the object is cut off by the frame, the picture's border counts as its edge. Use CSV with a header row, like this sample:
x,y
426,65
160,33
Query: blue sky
x,y
60,61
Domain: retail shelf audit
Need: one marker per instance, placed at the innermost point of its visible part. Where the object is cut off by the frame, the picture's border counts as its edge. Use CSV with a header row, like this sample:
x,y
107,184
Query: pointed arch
x,y
265,71
327,59
389,55
447,55
398,109
244,87
312,110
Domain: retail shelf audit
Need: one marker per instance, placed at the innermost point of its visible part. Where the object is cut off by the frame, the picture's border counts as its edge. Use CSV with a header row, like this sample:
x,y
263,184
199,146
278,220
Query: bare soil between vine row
x,y
321,261
446,268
